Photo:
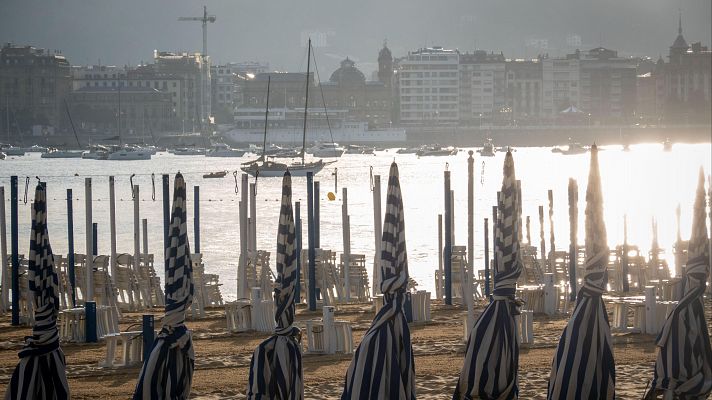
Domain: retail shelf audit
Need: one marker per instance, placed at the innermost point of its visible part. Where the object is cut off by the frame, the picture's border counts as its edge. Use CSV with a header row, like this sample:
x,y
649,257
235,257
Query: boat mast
x,y
264,139
119,116
306,102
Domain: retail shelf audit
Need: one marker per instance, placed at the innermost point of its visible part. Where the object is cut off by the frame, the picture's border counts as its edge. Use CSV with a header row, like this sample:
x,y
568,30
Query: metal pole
x,y
552,249
487,260
4,300
15,252
311,242
378,233
253,224
137,229
470,237
447,251
493,266
89,264
624,256
298,244
441,281
70,247
166,217
346,228
317,217
529,232
148,335
573,231
196,219
95,239
112,225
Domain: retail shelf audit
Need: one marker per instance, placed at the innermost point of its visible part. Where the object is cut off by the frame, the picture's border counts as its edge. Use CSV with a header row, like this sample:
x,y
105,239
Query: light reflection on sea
x,y
643,183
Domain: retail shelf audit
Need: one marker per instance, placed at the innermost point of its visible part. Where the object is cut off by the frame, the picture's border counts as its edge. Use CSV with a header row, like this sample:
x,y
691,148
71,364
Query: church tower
x,y
385,65
680,46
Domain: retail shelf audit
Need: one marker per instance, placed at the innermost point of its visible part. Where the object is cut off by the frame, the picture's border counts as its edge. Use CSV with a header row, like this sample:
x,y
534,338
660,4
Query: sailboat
x,y
265,167
126,152
52,152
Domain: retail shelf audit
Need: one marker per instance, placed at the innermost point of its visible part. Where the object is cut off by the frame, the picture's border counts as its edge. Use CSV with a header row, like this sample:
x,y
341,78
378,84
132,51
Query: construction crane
x,y
205,98
204,19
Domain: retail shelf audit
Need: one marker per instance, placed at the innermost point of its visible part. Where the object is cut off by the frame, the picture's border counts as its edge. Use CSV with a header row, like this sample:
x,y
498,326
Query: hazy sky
x,y
127,31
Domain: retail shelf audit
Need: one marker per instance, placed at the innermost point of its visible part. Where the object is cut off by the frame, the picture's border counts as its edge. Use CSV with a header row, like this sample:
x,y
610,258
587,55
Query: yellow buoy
x,y
331,196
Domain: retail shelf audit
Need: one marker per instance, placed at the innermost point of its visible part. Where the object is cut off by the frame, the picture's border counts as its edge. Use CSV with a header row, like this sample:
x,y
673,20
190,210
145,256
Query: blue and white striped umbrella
x,y
684,364
492,357
382,367
583,366
168,371
276,366
41,372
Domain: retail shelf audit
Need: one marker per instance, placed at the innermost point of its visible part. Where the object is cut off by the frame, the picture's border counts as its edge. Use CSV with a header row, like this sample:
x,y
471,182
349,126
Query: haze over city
x,y
127,32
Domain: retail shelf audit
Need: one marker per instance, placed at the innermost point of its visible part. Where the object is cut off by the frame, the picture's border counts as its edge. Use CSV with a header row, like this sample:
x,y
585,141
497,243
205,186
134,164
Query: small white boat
x,y
408,150
223,150
487,149
129,154
436,151
188,151
36,149
97,152
326,150
356,149
572,149
56,153
275,169
212,175
11,150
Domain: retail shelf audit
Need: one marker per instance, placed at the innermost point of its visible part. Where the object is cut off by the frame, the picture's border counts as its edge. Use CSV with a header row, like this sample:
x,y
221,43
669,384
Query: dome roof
x,y
347,73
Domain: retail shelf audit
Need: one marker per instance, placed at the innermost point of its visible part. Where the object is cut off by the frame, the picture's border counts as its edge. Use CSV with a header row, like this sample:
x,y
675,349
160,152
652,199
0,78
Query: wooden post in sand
x,y
89,263
624,256
552,246
573,230
378,233
470,238
317,217
542,241
14,250
441,278
196,219
529,232
137,230
242,289
4,300
487,260
112,226
95,239
678,246
253,224
70,247
346,231
298,245
144,229
166,187
447,251
311,273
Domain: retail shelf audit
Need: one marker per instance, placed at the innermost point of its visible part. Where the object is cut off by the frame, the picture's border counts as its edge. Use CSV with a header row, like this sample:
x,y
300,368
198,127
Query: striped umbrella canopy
x,y
583,366
684,363
41,372
492,357
168,371
276,366
382,367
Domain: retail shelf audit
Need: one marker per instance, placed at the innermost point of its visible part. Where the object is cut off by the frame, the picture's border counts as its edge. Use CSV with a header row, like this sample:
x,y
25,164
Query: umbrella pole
x,y
573,226
70,247
196,219
470,238
447,251
89,263
378,230
166,219
14,250
298,245
312,253
3,253
112,225
347,243
95,239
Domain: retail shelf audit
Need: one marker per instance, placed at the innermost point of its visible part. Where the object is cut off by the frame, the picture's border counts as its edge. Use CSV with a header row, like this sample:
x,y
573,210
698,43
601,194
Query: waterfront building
x,y
524,89
429,86
607,85
482,87
34,83
560,84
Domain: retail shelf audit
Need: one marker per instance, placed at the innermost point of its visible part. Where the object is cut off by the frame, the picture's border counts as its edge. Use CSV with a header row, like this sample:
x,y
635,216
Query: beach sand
x,y
222,359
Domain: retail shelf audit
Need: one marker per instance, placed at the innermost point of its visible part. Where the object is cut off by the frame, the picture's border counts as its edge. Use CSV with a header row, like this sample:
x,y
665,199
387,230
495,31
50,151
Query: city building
x,y
560,84
429,86
224,88
482,87
34,84
524,89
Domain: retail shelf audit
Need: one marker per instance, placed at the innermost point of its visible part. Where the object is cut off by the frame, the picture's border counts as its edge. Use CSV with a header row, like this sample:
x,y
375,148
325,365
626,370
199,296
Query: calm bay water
x,y
643,183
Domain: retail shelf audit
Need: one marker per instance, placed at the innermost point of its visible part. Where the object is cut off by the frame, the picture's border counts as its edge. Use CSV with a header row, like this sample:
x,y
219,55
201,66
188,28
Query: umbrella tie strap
x,y
292,331
514,303
35,348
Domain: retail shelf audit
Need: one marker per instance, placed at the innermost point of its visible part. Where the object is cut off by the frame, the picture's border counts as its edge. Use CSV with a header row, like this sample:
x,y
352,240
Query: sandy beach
x,y
222,358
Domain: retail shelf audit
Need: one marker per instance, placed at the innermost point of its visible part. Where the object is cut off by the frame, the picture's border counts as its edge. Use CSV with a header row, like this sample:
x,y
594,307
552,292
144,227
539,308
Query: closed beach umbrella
x,y
684,364
492,358
41,372
168,372
583,366
382,367
276,366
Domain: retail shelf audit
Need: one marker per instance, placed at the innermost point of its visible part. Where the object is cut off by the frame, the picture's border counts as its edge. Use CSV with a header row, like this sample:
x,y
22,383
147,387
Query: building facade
x,y
482,87
34,84
607,86
524,89
429,87
560,84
